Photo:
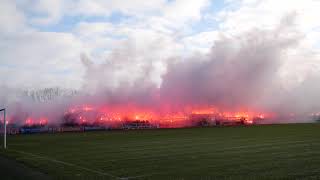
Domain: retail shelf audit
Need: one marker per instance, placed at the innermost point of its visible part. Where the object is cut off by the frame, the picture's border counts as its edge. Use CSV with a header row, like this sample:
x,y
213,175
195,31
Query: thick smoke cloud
x,y
247,72
49,103
121,79
239,71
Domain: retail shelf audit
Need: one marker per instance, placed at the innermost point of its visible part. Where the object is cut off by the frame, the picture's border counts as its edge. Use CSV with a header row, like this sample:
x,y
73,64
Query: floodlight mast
x,y
5,128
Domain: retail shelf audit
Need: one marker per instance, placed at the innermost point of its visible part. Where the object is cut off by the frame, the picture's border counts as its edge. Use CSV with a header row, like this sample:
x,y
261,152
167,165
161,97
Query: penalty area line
x,y
68,164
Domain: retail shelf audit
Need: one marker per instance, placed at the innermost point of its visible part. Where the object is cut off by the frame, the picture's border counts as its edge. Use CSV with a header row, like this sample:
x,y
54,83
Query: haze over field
x,y
248,55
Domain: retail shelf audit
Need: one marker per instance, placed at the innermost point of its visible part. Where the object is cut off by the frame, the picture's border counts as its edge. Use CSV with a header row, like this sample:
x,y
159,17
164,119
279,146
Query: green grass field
x,y
257,152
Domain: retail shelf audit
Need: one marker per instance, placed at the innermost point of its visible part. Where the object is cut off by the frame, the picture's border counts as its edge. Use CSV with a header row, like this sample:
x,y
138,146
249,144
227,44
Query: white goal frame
x,y
5,128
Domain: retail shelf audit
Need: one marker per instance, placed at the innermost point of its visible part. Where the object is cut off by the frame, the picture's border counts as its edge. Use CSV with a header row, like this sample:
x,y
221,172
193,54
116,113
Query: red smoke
x,y
164,117
114,116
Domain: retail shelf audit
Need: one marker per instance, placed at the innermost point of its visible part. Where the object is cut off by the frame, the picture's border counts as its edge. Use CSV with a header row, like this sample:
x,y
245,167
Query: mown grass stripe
x,y
66,163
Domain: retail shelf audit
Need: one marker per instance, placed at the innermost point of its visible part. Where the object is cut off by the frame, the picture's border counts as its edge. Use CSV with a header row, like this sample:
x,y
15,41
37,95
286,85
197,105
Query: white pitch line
x,y
68,164
135,177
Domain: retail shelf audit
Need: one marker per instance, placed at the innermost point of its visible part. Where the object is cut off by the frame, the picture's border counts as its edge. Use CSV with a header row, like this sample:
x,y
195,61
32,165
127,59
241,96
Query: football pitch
x,y
289,151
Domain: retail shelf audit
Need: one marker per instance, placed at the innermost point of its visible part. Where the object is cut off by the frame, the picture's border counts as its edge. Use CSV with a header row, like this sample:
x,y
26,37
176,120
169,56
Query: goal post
x,y
5,128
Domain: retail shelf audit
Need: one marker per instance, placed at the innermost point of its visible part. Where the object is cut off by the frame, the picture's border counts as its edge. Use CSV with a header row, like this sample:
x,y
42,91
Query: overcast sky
x,y
41,41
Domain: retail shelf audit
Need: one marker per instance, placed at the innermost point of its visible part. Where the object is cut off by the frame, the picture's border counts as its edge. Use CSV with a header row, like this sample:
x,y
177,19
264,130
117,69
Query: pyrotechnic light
x,y
117,114
29,121
43,121
114,115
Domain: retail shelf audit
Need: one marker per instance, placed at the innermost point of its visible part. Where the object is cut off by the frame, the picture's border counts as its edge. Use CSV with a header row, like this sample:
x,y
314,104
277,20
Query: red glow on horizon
x,y
163,116
43,121
29,121
115,114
